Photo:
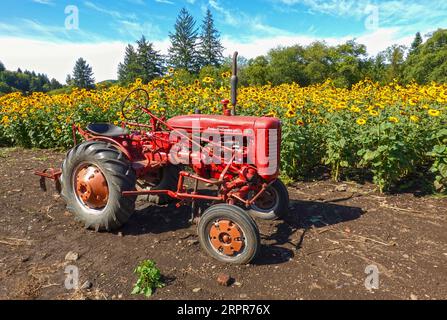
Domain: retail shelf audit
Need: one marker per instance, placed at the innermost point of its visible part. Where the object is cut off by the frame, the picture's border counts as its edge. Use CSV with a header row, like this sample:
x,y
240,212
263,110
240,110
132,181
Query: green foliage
x,y
82,75
395,57
143,62
416,43
211,49
348,63
429,62
256,72
285,66
439,154
301,149
4,88
149,278
339,144
376,69
183,53
386,154
345,64
128,71
63,90
26,82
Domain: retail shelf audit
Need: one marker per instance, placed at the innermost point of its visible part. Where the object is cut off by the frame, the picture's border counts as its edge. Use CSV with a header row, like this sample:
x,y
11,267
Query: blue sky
x,y
33,33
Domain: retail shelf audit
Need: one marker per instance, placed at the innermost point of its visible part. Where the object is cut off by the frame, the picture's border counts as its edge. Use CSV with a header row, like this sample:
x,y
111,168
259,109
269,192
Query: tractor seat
x,y
106,130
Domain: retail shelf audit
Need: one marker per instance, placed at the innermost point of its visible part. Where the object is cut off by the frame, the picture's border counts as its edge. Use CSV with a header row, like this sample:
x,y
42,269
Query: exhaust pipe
x,y
234,83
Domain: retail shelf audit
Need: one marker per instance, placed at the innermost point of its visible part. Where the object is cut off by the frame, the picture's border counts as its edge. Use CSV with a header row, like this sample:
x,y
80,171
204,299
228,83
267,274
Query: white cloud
x,y
139,2
332,7
112,13
164,1
238,19
412,14
228,16
46,2
26,28
375,42
57,59
135,29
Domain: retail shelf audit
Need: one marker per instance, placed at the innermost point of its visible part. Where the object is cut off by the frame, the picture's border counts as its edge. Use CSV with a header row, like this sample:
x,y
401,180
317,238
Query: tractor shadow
x,y
292,230
277,247
157,220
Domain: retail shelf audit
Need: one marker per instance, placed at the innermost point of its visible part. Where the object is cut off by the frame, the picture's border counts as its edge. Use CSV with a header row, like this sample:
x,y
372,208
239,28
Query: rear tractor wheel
x,y
273,203
94,175
229,234
164,179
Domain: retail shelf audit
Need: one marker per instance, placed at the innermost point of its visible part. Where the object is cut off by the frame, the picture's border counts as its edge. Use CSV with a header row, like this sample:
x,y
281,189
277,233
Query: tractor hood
x,y
205,122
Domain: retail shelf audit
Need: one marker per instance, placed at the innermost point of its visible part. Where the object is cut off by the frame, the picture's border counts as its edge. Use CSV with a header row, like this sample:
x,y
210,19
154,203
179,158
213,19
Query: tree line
x,y
348,63
198,52
25,81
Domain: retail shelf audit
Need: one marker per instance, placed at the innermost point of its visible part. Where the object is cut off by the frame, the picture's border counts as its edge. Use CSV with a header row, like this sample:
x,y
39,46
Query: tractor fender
x,y
118,145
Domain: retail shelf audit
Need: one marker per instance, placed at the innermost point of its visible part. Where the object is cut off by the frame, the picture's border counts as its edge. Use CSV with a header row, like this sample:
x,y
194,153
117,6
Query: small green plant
x,y
439,154
149,278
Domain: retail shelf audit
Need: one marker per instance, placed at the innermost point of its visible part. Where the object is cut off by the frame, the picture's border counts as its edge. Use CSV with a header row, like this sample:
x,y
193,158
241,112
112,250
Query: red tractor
x,y
238,156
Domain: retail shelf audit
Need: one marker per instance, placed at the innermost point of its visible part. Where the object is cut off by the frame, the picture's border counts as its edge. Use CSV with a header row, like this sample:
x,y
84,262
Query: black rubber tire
x,y
245,223
120,177
280,209
169,181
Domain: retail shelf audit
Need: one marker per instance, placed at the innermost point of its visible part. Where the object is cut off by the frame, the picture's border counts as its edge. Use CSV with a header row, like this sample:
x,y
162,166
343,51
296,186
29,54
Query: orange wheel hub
x,y
226,237
91,187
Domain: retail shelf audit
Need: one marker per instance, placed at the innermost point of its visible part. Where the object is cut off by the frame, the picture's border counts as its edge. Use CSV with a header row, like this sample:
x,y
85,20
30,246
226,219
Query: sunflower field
x,y
390,134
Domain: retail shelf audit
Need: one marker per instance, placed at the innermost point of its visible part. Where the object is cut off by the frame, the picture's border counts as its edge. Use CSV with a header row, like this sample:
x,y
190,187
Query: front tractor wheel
x,y
273,203
94,175
229,234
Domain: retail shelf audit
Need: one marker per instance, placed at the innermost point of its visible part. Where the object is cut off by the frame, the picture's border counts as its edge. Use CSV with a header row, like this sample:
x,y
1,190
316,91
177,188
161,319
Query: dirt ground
x,y
321,250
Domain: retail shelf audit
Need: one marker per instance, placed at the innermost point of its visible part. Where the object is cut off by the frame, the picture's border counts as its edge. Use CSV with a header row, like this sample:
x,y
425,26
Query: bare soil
x,y
320,251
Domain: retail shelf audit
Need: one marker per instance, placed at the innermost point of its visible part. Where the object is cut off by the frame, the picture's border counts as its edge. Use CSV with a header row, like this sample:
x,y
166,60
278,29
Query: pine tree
x,y
128,70
416,42
149,61
145,63
2,67
211,49
183,51
54,84
69,80
83,75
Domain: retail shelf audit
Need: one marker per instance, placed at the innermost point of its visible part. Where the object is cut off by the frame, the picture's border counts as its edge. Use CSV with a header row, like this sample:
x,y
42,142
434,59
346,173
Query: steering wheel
x,y
136,104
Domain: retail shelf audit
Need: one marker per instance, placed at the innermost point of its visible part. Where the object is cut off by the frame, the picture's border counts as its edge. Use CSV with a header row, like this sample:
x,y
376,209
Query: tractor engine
x,y
240,142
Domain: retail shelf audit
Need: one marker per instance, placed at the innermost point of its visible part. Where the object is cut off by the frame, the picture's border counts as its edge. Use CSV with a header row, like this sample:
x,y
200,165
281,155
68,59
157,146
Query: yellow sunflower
x,y
414,118
393,119
361,122
373,113
434,113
